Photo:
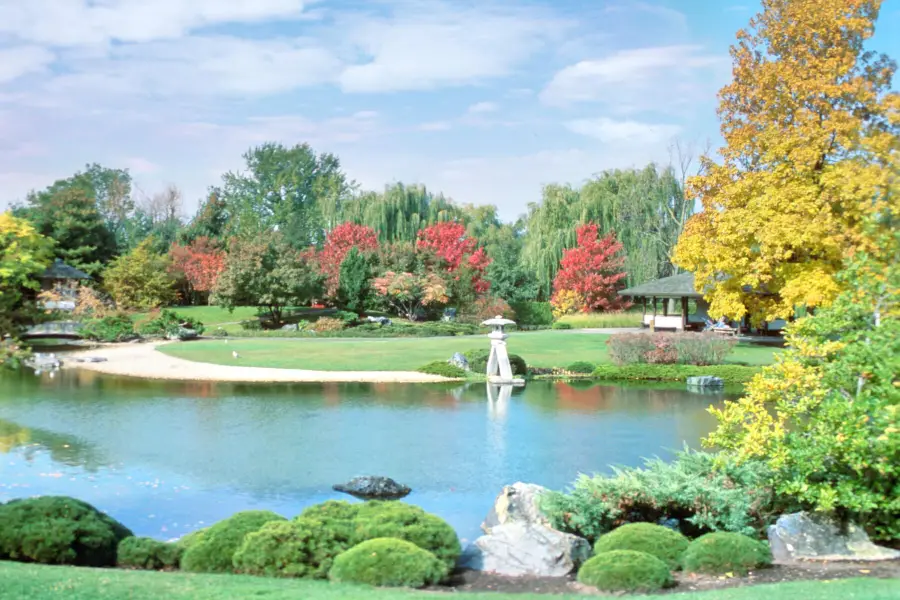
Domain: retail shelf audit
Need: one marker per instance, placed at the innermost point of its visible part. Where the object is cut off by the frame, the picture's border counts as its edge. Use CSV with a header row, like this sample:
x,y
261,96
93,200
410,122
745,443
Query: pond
x,y
166,458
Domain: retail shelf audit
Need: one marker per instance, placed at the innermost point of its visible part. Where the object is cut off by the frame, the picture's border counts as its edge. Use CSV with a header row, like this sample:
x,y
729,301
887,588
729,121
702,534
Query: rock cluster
x,y
373,488
813,536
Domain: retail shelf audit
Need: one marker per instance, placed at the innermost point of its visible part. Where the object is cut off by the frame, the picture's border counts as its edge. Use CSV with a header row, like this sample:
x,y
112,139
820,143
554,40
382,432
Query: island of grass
x,y
540,349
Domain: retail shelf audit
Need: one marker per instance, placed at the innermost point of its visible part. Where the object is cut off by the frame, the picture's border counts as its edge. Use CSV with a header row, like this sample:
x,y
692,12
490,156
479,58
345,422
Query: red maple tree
x,y
338,243
450,243
200,261
594,269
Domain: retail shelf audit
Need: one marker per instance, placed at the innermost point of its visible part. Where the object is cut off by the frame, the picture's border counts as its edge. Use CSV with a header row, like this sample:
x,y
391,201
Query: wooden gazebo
x,y
63,279
677,287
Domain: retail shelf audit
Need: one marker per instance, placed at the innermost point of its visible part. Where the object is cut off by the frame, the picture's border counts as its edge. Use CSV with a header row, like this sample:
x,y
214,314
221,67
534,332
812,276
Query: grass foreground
x,y
539,349
39,582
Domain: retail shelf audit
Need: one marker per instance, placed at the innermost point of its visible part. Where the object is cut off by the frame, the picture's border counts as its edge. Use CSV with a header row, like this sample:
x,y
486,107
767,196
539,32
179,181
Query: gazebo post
x,y
684,313
643,309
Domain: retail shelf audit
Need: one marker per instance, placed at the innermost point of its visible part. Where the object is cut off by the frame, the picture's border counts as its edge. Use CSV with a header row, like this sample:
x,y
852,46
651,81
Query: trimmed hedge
x,y
388,562
148,554
625,571
731,374
533,313
662,542
478,360
353,524
581,368
442,369
214,551
299,548
722,552
58,530
560,325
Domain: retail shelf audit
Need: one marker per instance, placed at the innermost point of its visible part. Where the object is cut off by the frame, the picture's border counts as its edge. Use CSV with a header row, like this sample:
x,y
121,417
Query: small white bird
x,y
235,354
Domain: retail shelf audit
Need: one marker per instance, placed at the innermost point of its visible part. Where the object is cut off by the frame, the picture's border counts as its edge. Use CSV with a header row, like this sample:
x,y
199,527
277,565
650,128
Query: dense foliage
x,y
826,417
703,491
730,374
720,553
581,368
811,130
140,279
669,348
354,282
625,571
166,323
443,369
338,244
533,313
58,530
214,551
303,547
200,263
388,562
111,328
663,543
148,553
24,255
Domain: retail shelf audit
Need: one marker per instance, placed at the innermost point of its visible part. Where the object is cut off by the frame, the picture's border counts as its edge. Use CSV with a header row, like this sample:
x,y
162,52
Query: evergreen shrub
x,y
625,571
443,369
388,562
214,551
148,554
663,543
723,552
58,530
300,548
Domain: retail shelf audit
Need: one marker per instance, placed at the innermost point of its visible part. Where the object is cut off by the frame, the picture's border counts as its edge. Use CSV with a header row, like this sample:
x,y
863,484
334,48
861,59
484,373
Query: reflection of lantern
x,y
498,367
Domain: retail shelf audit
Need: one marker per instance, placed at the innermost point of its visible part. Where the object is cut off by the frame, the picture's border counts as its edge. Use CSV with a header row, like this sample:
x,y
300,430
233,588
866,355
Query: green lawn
x,y
602,320
34,582
539,349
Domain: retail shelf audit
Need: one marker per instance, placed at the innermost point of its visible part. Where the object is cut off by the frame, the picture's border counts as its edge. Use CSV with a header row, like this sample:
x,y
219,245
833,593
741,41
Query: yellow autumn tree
x,y
811,146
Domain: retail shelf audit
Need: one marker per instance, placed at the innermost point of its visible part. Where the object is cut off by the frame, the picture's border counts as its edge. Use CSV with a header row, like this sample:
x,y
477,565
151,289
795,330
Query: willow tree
x,y
646,208
811,143
400,212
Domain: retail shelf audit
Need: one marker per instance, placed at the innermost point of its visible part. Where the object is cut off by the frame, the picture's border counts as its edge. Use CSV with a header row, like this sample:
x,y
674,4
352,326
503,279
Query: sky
x,y
483,100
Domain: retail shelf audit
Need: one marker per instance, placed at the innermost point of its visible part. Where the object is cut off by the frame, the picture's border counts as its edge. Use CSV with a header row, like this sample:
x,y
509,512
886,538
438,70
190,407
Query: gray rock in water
x,y
290,327
380,320
519,540
458,360
373,488
818,536
40,361
705,381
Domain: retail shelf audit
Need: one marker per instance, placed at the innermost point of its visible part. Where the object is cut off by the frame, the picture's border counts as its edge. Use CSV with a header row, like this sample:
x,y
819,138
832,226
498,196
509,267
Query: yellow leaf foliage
x,y
811,132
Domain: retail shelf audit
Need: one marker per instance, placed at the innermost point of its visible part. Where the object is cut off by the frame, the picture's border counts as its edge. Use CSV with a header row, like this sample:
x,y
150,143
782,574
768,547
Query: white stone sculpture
x,y
499,370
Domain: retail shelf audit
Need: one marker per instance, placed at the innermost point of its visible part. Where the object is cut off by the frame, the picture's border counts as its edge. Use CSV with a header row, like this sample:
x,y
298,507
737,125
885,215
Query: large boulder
x,y
373,488
519,540
459,360
182,334
817,536
705,381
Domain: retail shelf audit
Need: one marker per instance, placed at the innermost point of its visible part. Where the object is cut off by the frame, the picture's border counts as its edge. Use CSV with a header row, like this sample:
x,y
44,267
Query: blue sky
x,y
483,100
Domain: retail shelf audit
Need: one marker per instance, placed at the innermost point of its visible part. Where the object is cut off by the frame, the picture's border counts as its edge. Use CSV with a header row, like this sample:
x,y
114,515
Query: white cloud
x,y
86,22
483,107
427,44
630,80
22,60
624,132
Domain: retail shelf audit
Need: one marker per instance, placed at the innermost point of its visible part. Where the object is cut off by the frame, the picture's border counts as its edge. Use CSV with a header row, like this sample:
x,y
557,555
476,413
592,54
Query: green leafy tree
x,y
826,417
210,222
509,278
355,281
140,279
269,273
67,213
285,189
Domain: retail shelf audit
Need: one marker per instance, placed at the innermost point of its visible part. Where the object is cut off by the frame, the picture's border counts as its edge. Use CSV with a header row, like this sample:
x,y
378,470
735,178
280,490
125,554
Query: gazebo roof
x,y
60,270
676,286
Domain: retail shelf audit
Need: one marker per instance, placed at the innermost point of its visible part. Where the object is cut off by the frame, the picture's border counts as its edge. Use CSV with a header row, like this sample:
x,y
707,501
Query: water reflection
x,y
167,456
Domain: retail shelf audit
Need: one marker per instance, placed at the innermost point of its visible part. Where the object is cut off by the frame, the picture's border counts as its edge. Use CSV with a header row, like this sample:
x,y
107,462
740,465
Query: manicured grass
x,y
34,582
539,349
602,320
211,316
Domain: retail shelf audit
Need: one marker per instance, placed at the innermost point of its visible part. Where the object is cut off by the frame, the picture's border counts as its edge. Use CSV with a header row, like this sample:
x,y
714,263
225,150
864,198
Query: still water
x,y
168,458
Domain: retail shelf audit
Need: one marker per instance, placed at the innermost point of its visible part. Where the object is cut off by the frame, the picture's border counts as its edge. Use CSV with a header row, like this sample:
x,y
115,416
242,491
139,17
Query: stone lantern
x,y
499,370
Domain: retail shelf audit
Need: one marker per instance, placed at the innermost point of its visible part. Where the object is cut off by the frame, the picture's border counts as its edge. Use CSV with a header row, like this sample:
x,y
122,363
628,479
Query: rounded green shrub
x,y
723,552
214,552
443,369
393,519
148,554
581,368
662,542
190,539
303,547
388,562
338,515
625,571
59,530
478,360
561,325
